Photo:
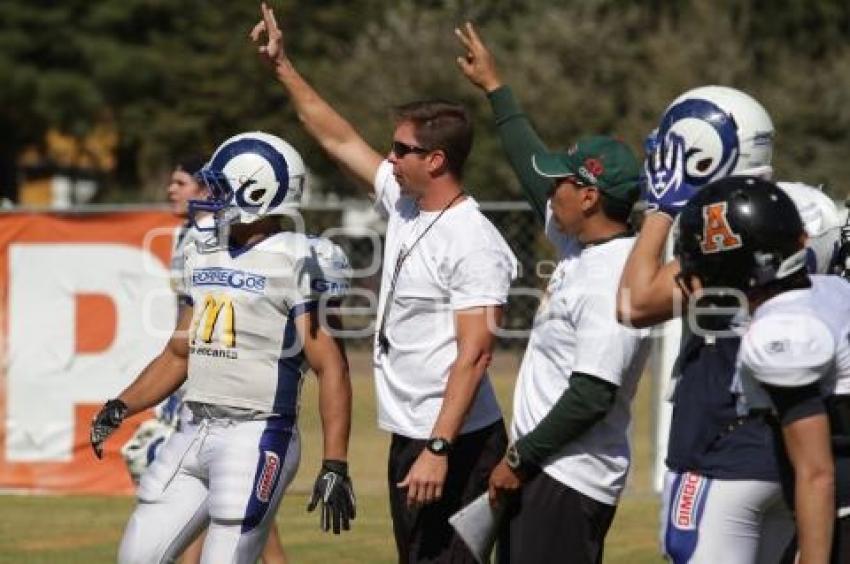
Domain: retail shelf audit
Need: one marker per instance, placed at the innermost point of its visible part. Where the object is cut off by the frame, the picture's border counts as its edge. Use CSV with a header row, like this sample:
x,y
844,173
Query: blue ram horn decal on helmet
x,y
710,135
249,176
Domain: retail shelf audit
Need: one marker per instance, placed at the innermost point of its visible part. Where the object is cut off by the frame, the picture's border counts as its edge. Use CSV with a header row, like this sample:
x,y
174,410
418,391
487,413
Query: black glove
x,y
105,422
334,490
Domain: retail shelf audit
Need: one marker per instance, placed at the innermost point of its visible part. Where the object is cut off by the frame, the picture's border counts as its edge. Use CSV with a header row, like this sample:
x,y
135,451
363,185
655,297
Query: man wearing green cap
x,y
562,476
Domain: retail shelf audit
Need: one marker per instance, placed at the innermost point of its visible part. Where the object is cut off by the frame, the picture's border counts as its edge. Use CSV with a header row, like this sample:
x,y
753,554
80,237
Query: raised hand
x,y
667,189
478,65
271,50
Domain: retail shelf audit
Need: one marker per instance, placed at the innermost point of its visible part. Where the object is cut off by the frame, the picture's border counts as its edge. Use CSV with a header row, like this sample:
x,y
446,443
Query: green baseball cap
x,y
598,160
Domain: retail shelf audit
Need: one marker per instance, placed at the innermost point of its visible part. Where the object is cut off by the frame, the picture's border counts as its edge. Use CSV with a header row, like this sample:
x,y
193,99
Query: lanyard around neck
x,y
403,253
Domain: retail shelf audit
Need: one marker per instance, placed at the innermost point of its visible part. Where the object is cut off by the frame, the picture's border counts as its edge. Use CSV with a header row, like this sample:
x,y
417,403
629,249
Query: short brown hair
x,y
440,125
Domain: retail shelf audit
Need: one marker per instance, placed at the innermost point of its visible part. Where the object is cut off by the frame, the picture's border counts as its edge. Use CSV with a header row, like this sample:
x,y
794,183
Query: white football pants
x,y
711,521
227,474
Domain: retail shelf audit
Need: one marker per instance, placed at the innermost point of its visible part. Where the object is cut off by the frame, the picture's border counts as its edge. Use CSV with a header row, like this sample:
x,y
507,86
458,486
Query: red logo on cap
x,y
594,166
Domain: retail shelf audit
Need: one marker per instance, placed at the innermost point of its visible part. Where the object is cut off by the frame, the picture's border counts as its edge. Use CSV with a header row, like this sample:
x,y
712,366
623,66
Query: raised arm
x,y
336,136
519,139
648,293
159,379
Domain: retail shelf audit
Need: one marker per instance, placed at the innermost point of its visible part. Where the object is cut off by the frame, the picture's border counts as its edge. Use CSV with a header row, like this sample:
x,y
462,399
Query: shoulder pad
x,y
323,270
788,349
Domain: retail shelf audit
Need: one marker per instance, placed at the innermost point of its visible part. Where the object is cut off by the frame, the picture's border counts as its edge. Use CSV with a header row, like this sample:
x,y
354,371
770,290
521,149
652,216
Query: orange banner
x,y
85,303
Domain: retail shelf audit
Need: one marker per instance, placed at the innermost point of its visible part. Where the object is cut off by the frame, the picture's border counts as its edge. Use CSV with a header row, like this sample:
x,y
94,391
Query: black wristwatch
x,y
438,446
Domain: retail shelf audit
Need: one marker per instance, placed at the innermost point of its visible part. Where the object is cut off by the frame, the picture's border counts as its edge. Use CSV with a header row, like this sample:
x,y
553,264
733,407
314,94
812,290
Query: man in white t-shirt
x,y
580,369
446,275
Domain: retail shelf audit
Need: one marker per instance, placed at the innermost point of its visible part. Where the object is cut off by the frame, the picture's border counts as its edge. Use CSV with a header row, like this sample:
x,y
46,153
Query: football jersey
x,y
243,347
704,404
797,338
169,411
185,235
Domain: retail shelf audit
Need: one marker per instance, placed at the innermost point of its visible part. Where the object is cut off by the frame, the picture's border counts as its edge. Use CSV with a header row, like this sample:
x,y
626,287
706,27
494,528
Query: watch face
x,y
438,446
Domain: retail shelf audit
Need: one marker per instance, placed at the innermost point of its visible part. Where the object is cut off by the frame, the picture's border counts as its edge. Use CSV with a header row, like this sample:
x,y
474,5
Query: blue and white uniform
x,y
230,464
722,499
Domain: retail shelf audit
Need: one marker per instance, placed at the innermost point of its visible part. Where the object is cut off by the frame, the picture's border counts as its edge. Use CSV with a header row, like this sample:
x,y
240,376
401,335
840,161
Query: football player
x,y
140,450
744,236
722,497
261,312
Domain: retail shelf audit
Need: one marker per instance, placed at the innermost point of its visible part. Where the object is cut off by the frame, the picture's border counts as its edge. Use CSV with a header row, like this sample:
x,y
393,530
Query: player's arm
x,y
474,328
159,379
336,136
806,433
326,356
648,292
519,139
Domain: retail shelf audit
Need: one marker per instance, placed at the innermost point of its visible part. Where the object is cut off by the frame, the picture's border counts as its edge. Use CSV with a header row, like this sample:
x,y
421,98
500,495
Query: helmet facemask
x,y
249,177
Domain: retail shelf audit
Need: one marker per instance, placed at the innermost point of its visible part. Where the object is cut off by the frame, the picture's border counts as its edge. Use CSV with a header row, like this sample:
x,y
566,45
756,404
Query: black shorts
x,y
551,522
841,541
424,534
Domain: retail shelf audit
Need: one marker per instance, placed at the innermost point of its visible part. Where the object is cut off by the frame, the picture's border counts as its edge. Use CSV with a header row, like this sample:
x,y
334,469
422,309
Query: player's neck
x,y
249,234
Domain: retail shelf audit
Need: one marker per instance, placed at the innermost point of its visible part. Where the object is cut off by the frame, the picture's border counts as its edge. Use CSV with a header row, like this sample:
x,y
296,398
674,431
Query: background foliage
x,y
177,76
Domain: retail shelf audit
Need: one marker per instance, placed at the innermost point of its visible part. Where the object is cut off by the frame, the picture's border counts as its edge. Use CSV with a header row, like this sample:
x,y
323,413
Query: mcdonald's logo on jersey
x,y
717,234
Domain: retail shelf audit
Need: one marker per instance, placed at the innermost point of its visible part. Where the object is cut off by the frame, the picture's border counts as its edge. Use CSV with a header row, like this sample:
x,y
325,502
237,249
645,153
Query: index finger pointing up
x,y
268,17
463,38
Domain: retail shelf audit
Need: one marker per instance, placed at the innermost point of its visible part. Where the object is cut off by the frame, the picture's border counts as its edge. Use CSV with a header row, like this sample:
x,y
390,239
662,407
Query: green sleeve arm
x,y
520,142
583,404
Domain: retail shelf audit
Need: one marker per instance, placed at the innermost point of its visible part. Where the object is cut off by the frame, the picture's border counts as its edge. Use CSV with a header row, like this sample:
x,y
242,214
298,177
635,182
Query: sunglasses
x,y
573,179
401,150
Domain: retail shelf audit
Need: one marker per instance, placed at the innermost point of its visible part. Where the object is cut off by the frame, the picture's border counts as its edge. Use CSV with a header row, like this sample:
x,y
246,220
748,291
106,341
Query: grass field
x,y
86,529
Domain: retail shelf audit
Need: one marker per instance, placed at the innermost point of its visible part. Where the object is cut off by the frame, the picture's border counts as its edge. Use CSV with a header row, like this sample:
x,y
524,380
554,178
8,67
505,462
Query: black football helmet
x,y
740,232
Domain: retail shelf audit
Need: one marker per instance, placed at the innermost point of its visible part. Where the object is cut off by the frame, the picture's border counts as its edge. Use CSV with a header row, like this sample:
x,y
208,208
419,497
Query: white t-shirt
x,y
576,330
462,262
795,339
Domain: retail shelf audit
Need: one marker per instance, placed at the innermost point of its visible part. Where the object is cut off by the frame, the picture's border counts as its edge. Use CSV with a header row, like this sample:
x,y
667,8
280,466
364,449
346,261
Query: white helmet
x,y
725,131
251,175
822,220
143,446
